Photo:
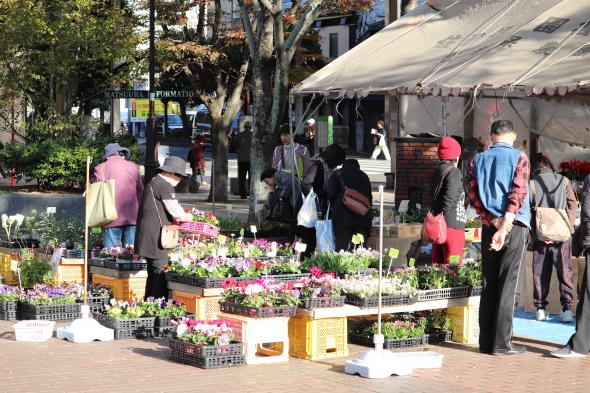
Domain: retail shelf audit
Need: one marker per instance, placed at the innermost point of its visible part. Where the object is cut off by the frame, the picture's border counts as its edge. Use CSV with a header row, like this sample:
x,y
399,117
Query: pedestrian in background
x,y
579,343
244,140
499,193
449,200
158,208
196,159
292,157
551,190
345,222
128,189
380,141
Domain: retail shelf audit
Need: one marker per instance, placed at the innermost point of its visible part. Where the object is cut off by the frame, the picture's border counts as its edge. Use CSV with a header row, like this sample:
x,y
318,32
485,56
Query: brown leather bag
x,y
354,200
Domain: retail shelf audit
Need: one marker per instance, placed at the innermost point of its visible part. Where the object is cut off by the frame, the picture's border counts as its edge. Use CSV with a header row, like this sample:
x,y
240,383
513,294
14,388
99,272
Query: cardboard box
x,y
402,231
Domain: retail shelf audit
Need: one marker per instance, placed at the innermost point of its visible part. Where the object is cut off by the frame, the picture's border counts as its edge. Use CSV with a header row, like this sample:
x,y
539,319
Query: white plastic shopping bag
x,y
324,234
308,214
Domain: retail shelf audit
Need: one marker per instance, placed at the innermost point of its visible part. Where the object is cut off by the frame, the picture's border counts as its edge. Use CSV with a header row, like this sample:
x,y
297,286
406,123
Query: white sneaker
x,y
566,352
566,316
542,314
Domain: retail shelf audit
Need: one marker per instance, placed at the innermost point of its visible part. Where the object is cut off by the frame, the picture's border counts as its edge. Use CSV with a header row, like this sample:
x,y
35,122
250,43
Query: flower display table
x,y
205,308
125,284
265,340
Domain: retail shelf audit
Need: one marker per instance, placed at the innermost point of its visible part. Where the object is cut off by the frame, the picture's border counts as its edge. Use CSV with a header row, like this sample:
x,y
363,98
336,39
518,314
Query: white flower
x,y
19,219
4,219
185,262
223,251
174,257
181,329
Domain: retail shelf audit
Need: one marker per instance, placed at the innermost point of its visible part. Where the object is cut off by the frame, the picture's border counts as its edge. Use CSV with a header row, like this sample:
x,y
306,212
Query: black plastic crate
x,y
207,356
8,315
125,323
161,322
97,303
123,334
48,309
98,262
322,302
443,293
436,337
367,341
209,282
8,306
262,312
125,266
476,291
59,317
373,301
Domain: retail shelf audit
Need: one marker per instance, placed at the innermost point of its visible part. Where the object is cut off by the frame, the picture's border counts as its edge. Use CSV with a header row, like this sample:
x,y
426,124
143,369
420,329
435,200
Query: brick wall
x,y
416,160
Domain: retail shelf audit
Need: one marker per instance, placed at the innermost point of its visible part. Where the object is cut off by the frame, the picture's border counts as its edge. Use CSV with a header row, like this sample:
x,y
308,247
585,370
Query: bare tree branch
x,y
248,28
201,20
216,21
311,14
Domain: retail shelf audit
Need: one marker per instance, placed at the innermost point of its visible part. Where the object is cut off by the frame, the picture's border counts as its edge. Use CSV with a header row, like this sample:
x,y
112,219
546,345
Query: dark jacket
x,y
147,236
244,140
583,233
554,191
320,182
450,200
352,177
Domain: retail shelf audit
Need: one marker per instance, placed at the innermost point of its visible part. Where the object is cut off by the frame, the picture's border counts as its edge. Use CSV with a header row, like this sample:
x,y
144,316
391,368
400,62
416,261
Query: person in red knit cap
x,y
448,198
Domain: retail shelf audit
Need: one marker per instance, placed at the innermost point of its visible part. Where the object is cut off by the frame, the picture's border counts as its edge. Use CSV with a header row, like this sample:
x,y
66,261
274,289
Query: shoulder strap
x,y
155,204
443,176
534,192
283,157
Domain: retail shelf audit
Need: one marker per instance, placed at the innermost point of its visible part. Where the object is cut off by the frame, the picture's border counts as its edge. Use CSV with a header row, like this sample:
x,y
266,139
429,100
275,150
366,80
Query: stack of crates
x,y
315,339
127,288
465,323
8,276
205,308
69,273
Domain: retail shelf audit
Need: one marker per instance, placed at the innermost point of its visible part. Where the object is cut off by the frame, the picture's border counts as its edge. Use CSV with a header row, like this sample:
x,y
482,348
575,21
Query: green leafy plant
x,y
34,270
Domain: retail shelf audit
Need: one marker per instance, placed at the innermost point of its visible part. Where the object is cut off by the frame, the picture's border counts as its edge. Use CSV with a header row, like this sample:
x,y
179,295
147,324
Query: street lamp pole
x,y
151,156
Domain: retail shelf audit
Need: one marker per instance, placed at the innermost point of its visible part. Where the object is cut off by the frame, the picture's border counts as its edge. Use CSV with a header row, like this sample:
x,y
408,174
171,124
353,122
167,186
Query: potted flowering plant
x,y
9,297
321,290
398,331
52,302
363,291
344,262
440,282
205,344
260,298
98,295
165,312
469,273
128,319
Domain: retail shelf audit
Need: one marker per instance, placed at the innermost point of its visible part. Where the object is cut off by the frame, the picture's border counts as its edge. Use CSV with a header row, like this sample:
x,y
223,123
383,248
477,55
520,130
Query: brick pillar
x,y
416,160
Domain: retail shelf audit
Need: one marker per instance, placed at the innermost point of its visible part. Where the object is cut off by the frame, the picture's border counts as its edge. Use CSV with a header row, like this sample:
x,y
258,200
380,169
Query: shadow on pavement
x,y
160,353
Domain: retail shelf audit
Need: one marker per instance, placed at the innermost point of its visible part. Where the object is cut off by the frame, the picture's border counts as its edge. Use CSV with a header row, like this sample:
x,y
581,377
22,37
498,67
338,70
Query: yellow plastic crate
x,y
465,323
8,276
315,339
123,288
70,273
204,307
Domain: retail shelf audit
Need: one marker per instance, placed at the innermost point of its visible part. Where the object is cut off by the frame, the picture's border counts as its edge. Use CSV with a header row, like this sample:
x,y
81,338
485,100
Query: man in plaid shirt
x,y
498,191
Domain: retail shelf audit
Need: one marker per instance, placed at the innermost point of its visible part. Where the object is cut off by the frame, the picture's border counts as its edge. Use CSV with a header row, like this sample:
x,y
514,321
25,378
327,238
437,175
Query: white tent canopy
x,y
539,46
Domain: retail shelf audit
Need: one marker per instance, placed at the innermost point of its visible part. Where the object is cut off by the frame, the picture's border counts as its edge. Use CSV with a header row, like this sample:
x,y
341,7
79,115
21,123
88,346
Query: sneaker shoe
x,y
566,316
566,352
542,314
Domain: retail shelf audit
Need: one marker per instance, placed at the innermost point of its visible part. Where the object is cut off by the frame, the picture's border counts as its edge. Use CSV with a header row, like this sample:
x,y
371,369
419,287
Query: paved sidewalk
x,y
143,366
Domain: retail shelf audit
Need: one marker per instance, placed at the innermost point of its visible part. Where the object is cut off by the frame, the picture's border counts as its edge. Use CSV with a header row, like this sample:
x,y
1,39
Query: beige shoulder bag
x,y
169,236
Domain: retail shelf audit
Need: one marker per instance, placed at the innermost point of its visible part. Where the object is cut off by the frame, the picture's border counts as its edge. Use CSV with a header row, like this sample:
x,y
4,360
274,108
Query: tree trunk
x,y
165,125
218,190
186,124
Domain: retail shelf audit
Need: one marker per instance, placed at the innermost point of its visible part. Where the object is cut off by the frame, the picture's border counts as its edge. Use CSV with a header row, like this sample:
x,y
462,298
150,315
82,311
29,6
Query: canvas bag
x,y
308,214
169,236
434,229
101,201
550,224
325,234
354,200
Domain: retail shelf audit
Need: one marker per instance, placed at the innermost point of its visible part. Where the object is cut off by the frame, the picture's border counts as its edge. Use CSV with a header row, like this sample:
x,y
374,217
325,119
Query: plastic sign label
x,y
253,228
393,253
358,239
96,230
51,210
300,247
14,266
411,262
454,259
222,239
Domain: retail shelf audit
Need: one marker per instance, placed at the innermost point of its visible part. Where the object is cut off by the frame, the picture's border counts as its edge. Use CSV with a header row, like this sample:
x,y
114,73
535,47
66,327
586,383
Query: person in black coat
x,y
449,199
157,208
322,168
345,222
578,345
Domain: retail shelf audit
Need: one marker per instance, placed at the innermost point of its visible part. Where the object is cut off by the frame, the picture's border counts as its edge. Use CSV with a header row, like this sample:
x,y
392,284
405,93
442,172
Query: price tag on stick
x,y
14,265
393,253
454,259
221,239
411,262
300,247
253,230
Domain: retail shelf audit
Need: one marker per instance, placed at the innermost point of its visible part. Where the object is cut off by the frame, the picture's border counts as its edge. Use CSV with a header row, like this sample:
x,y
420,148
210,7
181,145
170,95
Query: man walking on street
x,y
244,140
499,193
380,141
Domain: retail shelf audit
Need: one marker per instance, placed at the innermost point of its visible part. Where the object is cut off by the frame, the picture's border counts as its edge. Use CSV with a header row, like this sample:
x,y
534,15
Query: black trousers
x,y
545,256
580,341
243,170
500,277
156,284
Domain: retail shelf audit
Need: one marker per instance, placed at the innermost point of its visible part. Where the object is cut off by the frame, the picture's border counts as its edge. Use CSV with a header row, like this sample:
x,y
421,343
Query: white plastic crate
x,y
34,331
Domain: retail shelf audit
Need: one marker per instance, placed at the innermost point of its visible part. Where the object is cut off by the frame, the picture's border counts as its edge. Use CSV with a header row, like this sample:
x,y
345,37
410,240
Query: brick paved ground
x,y
143,366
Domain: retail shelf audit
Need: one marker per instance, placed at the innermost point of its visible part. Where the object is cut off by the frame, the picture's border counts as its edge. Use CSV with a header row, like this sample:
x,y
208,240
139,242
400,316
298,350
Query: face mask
x,y
174,182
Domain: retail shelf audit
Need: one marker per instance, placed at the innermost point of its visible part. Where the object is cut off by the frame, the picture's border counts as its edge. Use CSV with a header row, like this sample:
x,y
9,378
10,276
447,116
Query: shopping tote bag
x,y
101,203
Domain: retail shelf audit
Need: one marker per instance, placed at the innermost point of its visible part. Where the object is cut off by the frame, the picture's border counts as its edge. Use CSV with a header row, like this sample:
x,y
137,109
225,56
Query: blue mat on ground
x,y
550,330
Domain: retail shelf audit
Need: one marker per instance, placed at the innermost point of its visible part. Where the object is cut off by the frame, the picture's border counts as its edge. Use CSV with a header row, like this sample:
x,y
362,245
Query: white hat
x,y
311,121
